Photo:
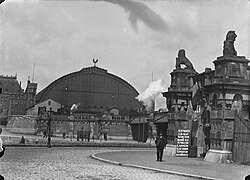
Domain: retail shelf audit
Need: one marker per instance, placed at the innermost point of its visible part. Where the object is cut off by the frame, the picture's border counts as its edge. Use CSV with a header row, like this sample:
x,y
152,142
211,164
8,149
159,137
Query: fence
x,y
241,139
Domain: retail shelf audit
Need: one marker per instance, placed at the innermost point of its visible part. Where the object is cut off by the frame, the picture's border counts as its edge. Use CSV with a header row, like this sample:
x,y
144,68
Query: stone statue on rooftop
x,y
182,59
228,48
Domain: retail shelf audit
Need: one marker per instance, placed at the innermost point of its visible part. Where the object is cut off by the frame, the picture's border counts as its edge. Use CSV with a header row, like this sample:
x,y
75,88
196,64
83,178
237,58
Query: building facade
x,y
94,89
216,97
13,99
91,99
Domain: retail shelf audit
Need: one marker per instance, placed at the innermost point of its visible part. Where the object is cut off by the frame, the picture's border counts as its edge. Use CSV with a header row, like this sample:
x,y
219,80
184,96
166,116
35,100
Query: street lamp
x,y
48,121
49,113
139,123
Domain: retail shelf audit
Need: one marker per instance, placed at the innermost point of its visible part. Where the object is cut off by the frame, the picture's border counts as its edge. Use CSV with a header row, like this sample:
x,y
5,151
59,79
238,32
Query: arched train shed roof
x,y
94,88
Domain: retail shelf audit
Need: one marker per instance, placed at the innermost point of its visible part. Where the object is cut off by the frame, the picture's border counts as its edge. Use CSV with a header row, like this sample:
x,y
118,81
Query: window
x,y
214,101
219,70
49,103
237,102
235,69
237,97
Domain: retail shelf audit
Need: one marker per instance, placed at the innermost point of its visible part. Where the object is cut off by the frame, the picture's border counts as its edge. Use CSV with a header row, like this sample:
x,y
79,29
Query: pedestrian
x,y
160,143
45,134
22,141
205,118
100,136
2,149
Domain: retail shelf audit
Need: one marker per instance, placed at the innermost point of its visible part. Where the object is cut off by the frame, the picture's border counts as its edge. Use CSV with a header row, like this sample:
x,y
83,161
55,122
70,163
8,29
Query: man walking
x,y
2,149
160,143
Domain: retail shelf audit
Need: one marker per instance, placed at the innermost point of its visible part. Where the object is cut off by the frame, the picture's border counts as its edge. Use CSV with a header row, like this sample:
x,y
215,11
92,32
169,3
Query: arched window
x,y
214,101
237,102
237,97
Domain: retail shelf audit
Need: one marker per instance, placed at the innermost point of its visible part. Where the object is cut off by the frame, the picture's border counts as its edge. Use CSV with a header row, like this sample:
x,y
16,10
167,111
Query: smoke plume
x,y
140,12
74,107
148,96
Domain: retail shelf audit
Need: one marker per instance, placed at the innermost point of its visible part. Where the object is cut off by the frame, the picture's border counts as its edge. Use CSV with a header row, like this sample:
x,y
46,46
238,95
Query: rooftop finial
x,y
182,59
95,61
28,80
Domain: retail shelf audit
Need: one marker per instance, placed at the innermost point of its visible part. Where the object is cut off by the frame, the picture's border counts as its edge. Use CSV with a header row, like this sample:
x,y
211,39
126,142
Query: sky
x,y
134,39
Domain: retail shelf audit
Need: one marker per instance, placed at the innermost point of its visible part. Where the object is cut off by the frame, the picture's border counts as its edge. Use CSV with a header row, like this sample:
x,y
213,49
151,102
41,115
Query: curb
x,y
149,168
75,144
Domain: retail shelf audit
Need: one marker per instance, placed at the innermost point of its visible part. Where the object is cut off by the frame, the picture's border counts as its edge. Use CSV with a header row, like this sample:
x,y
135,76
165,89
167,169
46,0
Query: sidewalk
x,y
190,167
10,139
141,158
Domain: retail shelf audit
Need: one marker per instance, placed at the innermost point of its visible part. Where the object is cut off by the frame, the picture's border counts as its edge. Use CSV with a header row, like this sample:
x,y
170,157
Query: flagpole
x,y
196,93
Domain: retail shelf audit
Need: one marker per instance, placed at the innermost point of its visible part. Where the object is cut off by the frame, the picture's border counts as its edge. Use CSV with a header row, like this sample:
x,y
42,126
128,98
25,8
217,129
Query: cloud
x,y
19,1
141,12
63,36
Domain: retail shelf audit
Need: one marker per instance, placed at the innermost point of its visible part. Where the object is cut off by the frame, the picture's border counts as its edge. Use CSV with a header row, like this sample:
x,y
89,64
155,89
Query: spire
x,y
33,72
28,80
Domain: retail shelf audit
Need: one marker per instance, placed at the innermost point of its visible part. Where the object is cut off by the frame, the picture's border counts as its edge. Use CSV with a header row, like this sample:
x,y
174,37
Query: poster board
x,y
183,138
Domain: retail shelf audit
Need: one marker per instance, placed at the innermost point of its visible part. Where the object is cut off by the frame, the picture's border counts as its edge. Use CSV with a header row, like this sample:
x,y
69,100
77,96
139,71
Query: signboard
x,y
182,142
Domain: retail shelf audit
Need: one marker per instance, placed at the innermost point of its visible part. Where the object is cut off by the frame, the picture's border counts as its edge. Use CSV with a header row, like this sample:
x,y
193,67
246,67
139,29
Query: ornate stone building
x,y
9,88
178,97
224,92
226,89
13,99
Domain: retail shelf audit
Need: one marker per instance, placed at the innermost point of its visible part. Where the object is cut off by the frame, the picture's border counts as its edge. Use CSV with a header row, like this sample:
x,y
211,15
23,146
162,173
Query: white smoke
x,y
74,107
148,96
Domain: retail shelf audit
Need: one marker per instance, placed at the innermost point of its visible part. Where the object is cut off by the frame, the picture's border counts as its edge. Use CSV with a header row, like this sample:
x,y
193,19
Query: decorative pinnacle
x,y
95,61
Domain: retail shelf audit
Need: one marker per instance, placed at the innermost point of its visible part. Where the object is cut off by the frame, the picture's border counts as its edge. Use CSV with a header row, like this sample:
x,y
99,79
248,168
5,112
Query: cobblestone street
x,y
69,163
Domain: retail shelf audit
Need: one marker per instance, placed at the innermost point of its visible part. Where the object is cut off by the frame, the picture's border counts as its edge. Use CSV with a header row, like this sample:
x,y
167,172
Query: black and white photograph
x,y
124,89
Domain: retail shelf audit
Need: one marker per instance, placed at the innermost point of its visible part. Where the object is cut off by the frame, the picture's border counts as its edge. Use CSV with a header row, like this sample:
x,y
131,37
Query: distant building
x,y
9,88
91,98
13,99
48,105
94,89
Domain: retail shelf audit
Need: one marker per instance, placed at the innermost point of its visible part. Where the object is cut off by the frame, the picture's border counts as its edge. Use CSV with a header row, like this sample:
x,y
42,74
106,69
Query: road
x,y
69,163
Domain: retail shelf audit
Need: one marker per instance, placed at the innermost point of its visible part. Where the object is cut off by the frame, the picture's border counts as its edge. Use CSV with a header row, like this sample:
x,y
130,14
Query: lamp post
x,y
49,113
48,121
139,123
139,128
